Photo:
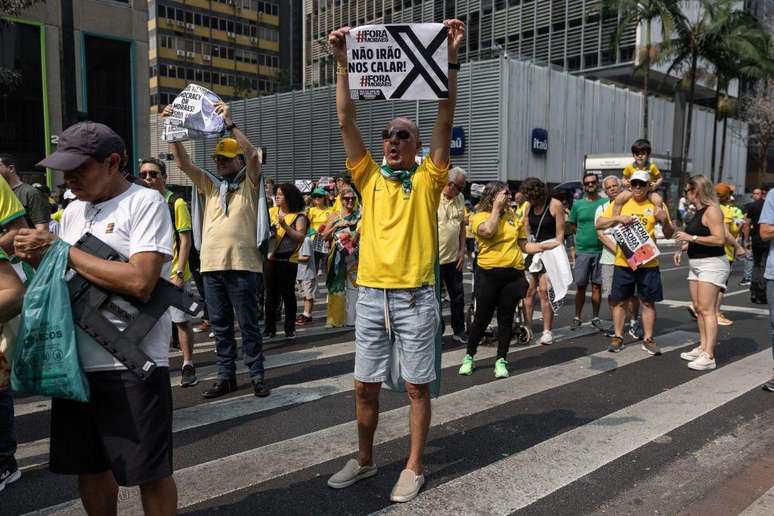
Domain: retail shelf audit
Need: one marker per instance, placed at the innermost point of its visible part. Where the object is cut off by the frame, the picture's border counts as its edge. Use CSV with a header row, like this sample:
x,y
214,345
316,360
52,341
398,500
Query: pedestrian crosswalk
x,y
307,428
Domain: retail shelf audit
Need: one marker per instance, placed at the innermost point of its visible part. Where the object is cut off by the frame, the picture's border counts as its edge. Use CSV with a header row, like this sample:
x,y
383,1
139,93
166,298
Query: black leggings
x,y
280,280
500,288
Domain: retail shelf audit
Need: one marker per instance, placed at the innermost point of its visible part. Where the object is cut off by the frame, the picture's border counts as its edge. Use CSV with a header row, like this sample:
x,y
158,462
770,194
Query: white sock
x,y
187,362
307,314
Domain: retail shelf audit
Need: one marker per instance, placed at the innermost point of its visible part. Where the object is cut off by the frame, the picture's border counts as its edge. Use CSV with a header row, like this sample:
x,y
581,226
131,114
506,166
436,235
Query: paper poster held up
x,y
193,116
398,62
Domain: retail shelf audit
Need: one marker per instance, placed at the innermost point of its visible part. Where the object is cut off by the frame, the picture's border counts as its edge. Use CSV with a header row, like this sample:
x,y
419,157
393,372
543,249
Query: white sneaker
x,y
351,473
691,355
703,363
547,339
407,487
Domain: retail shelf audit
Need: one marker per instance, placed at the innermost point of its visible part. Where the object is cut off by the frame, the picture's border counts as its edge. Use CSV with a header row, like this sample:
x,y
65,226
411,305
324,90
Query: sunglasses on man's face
x,y
152,174
639,184
402,134
223,159
590,183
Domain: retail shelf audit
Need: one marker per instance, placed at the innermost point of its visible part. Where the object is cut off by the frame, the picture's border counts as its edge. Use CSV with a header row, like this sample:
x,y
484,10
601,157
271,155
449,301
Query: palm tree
x,y
635,13
738,47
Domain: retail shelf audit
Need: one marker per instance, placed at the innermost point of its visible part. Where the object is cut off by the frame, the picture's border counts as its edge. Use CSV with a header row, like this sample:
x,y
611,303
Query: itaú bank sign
x,y
539,141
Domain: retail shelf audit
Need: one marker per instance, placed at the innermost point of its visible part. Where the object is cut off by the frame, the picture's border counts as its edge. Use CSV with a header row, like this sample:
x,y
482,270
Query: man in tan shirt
x,y
230,259
451,248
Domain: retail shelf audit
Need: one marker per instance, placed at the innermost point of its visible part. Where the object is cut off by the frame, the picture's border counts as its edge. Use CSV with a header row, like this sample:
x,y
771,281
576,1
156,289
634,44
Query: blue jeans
x,y
227,292
7,437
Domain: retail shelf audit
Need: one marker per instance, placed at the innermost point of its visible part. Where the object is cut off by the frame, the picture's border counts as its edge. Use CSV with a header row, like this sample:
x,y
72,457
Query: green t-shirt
x,y
582,215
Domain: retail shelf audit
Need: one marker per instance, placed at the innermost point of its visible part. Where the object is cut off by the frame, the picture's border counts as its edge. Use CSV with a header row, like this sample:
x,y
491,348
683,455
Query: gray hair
x,y
611,176
455,172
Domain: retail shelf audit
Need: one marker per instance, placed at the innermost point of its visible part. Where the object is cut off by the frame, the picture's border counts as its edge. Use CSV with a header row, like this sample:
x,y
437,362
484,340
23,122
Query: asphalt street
x,y
573,430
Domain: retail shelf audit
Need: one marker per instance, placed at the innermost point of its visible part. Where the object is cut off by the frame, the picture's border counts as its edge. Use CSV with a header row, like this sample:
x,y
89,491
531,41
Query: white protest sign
x,y
635,244
406,62
193,115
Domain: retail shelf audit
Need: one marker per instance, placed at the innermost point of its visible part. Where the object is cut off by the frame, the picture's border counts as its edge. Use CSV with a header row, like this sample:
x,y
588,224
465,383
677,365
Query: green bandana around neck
x,y
404,176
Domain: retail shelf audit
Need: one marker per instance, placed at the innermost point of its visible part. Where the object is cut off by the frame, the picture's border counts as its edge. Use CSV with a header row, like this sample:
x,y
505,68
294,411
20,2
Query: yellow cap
x,y
228,148
723,190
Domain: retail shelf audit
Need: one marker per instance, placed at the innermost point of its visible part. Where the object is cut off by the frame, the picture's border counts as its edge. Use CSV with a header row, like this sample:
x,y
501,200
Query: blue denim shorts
x,y
400,320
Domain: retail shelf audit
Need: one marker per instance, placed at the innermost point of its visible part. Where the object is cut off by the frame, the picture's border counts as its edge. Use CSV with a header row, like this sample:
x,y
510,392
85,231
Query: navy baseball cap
x,y
82,141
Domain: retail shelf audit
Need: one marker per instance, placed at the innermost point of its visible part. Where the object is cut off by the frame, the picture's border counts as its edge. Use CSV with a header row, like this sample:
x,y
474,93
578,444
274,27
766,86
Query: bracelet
x,y
454,66
340,70
231,126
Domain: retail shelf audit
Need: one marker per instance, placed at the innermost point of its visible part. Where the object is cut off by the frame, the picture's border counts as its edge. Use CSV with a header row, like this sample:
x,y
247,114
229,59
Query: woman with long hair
x,y
341,231
500,281
544,221
288,226
703,237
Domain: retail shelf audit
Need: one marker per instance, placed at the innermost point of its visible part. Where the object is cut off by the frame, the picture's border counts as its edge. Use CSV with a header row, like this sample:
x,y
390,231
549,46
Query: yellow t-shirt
x,y
451,215
290,218
57,216
645,212
398,234
520,211
502,250
653,171
229,241
10,206
733,228
182,224
318,217
468,227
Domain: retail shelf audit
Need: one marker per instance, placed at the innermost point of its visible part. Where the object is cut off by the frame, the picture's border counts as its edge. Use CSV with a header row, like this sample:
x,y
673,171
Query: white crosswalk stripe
x,y
763,506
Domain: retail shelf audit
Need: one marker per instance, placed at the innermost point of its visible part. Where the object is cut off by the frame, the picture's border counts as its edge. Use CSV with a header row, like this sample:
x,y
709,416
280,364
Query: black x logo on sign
x,y
419,68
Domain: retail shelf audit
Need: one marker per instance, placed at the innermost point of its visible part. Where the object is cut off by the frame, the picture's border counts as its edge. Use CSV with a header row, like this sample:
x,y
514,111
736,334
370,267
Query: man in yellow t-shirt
x,y
397,306
451,248
154,173
646,279
229,255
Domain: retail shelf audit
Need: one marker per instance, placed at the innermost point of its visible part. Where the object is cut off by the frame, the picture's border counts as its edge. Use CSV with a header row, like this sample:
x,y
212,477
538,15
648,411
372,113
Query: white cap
x,y
640,175
69,194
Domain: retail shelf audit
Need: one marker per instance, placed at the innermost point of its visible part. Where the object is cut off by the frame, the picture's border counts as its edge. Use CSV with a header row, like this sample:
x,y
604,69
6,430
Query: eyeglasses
x,y
591,183
152,174
402,134
348,199
222,159
639,184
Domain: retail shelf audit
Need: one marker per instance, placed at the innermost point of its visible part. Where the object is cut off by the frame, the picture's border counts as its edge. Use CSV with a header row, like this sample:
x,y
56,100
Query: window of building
x,y
499,5
180,15
199,76
162,11
486,7
189,17
388,16
558,26
592,18
197,19
230,26
473,31
153,100
573,63
512,38
576,22
206,76
205,21
222,24
527,34
542,30
514,3
230,80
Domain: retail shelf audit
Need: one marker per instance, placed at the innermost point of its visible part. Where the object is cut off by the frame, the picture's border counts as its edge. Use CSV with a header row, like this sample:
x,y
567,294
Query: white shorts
x,y
714,269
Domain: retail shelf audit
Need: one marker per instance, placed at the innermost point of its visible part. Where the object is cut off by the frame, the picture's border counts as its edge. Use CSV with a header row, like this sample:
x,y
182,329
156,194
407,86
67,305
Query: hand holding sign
x,y
337,40
224,110
192,115
456,37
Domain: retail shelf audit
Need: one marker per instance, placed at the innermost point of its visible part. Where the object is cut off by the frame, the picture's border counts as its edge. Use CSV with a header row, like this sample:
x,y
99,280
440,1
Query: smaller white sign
x,y
193,116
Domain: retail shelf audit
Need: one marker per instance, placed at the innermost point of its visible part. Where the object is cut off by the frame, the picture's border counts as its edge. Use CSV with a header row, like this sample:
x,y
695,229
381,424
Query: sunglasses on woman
x,y
639,184
402,134
152,174
348,199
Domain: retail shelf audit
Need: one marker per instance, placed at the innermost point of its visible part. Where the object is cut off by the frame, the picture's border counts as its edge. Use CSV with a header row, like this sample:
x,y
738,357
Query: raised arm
x,y
252,155
439,146
345,107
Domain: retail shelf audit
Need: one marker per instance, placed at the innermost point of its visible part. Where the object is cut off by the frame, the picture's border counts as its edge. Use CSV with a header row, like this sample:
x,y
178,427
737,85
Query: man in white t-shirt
x,y
612,187
123,434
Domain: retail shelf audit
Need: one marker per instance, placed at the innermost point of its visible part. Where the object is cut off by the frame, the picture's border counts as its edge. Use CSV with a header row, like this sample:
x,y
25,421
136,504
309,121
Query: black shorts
x,y
470,244
646,282
125,427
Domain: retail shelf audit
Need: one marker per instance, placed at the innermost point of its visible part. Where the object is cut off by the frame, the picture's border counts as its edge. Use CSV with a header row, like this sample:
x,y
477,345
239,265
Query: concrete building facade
x,y
502,105
77,59
236,48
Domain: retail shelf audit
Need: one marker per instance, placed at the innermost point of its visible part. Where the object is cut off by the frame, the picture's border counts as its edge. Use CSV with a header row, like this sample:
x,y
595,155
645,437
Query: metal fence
x,y
499,103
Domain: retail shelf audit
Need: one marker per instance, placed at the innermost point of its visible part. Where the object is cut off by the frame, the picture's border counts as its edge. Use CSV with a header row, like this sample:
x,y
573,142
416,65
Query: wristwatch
x,y
454,66
180,274
694,237
231,126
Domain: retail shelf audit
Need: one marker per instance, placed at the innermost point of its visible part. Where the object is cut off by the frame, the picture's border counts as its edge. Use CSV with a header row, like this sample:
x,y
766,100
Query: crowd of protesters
x,y
255,249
